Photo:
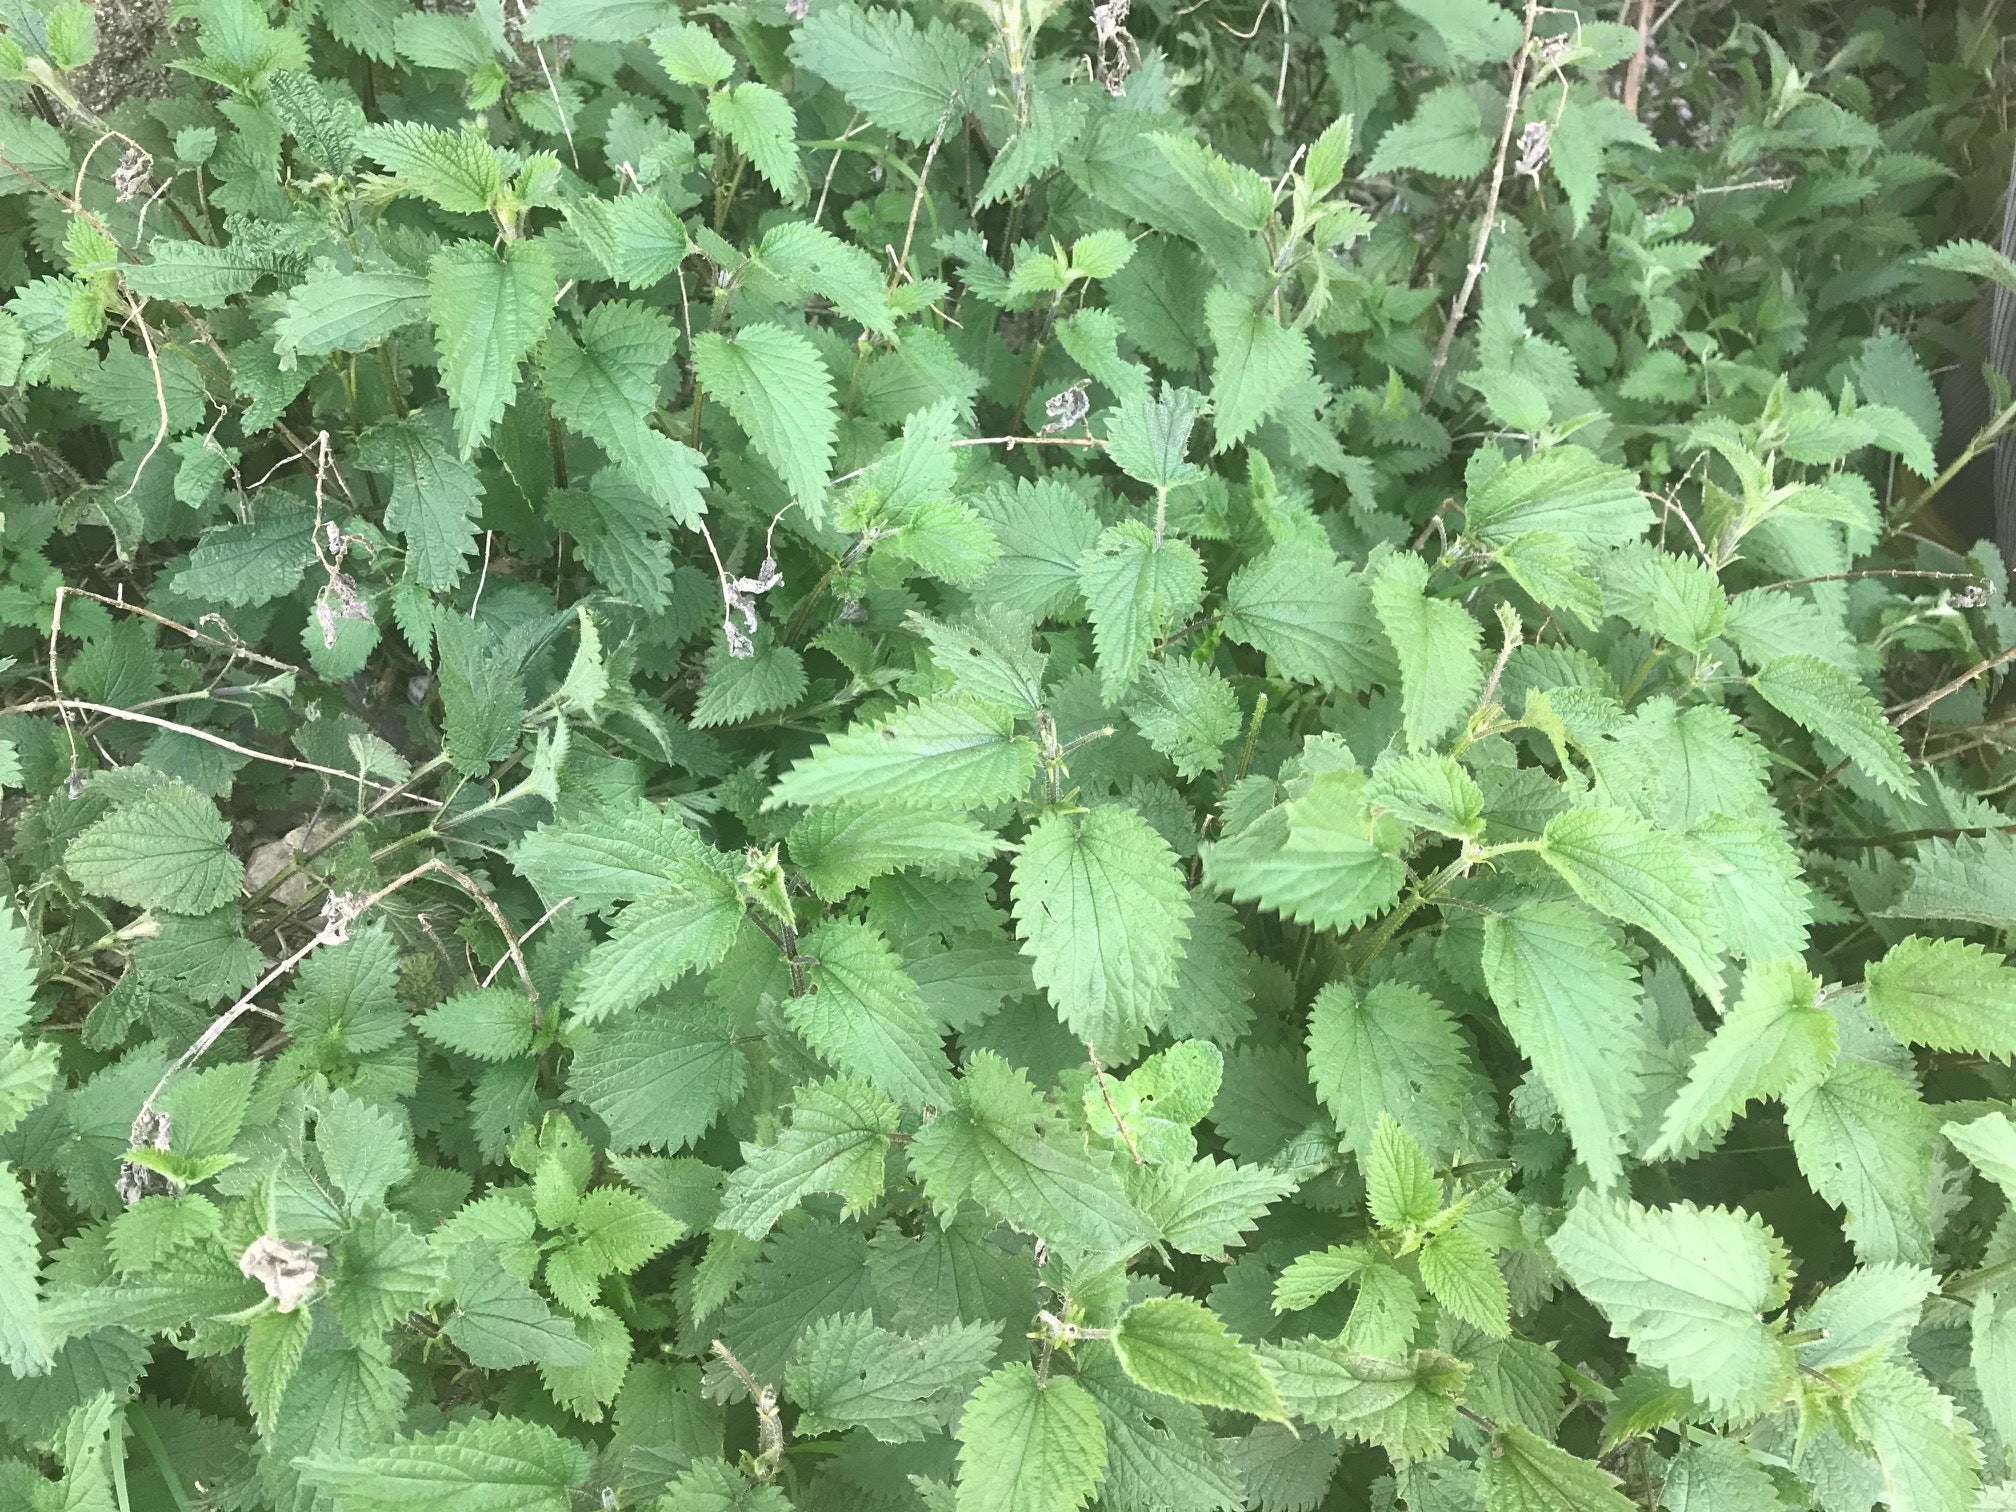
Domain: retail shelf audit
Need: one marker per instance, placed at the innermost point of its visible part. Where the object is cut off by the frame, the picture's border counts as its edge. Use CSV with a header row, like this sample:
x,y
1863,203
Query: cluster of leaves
x,y
1003,756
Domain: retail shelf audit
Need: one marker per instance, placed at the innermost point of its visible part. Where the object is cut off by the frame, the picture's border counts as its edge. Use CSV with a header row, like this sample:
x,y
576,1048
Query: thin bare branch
x,y
1489,223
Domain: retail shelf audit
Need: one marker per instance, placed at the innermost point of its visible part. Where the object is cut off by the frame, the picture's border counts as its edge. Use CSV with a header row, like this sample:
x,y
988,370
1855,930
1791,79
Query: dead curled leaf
x,y
287,1268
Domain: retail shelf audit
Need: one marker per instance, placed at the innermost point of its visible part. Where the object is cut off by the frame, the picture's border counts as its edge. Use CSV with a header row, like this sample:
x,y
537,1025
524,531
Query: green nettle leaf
x,y
599,20
608,856
490,310
1946,994
1969,880
840,849
1207,1207
324,121
1028,1444
1865,1141
1405,1406
198,274
989,656
1457,1269
1776,1036
1522,1472
1566,491
1989,1143
490,1024
935,754
606,386
1993,1357
1689,1288
1866,1314
25,1347
1834,706
660,1081
1310,1278
857,754
687,924
502,1464
1571,1003
814,261
436,497
1159,1453
1182,1349
253,563
1258,361
499,1322
1002,1146
1619,865
1148,438
1717,1472
1310,615
1438,645
1975,258
1320,859
273,1347
27,1077
863,1014
1235,191
764,128
903,78
1392,1050
482,694
1676,598
1188,713
776,386
899,1387
1927,1452
692,56
165,850
1400,1186
1474,31
457,170
1137,587
639,241
1889,372
837,1142
1429,791
1444,137
1103,914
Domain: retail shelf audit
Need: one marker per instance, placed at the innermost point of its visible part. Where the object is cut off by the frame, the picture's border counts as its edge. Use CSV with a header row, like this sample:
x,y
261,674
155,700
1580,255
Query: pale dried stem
x,y
537,924
854,128
1485,227
1099,1072
1634,71
237,649
1904,713
66,706
901,270
342,915
769,1422
136,308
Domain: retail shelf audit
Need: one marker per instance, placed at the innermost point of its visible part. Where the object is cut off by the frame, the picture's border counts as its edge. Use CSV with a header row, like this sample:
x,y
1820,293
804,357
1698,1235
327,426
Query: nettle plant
x,y
989,757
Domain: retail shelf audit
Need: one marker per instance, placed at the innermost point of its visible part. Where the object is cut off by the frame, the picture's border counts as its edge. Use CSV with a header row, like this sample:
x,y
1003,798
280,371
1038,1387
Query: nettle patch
x,y
994,757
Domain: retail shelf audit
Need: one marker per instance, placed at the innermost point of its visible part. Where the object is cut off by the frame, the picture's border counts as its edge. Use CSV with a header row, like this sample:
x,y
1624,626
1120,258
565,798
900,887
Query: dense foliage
x,y
988,757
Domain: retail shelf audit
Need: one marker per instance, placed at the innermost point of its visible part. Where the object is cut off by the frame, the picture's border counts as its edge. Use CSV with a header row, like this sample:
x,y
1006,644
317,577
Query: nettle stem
x,y
769,1422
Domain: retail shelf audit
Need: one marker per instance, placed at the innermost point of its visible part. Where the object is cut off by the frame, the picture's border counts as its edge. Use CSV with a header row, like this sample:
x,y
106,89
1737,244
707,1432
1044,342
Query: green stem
x,y
1424,892
1984,1279
308,854
1638,678
1029,378
1983,439
724,200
